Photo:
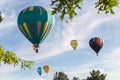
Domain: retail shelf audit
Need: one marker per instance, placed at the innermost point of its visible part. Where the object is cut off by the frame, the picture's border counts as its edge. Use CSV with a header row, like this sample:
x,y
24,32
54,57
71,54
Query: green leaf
x,y
10,58
66,7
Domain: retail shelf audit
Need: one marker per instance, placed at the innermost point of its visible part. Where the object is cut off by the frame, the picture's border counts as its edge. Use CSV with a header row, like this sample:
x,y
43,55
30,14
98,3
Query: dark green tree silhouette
x,y
60,76
75,78
10,58
96,75
68,7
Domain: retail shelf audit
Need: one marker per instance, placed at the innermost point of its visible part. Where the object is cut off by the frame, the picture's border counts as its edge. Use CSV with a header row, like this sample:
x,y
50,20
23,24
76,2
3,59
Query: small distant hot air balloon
x,y
39,70
1,16
46,68
96,44
35,22
74,44
66,21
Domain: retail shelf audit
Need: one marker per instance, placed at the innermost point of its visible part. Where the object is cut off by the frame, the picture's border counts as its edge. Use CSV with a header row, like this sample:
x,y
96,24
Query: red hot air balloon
x,y
96,44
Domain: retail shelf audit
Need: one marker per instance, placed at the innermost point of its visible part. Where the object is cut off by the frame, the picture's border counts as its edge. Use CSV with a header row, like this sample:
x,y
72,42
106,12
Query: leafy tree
x,y
75,78
60,76
68,7
96,75
8,57
106,5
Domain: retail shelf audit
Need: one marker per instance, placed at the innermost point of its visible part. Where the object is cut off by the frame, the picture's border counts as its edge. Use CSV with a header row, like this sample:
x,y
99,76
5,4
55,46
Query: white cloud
x,y
109,64
81,71
112,59
9,23
31,78
4,68
76,29
6,72
81,27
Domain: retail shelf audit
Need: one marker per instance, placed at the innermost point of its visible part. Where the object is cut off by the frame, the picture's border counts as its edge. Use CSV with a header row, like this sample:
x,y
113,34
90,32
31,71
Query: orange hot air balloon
x,y
46,68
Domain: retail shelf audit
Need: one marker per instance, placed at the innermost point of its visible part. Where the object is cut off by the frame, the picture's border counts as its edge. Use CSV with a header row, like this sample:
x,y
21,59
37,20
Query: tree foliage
x,y
106,5
68,7
8,57
60,76
75,78
96,75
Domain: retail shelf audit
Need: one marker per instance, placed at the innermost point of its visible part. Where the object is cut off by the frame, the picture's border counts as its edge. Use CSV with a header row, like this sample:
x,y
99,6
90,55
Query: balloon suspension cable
x,y
36,50
74,49
97,54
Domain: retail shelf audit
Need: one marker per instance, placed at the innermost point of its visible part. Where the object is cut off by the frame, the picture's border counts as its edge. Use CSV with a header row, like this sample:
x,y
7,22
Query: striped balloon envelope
x,y
35,22
96,44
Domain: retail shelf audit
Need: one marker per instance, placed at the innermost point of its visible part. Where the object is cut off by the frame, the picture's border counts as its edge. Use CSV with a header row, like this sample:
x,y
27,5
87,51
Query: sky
x,y
56,50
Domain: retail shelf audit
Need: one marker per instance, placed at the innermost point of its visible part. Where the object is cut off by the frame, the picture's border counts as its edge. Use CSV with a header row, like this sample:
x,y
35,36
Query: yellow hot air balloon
x,y
46,68
74,44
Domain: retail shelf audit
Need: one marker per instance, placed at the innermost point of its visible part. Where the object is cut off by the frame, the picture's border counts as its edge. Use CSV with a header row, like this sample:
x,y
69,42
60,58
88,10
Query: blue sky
x,y
56,50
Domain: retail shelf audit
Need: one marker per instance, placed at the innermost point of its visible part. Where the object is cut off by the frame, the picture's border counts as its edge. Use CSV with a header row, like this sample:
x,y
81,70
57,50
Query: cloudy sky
x,y
56,50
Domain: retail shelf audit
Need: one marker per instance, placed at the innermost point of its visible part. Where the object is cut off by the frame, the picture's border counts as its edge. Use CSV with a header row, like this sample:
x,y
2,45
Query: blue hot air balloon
x,y
39,70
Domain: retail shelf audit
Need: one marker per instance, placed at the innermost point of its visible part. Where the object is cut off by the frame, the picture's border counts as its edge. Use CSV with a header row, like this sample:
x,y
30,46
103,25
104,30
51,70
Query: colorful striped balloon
x,y
96,44
35,22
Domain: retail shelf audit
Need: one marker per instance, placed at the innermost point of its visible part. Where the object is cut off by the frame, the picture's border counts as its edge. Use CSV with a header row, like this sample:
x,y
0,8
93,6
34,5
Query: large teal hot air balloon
x,y
35,23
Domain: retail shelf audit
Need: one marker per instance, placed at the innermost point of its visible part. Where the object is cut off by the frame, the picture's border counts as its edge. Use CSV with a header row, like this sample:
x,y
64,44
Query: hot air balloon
x,y
74,44
46,68
39,70
96,44
66,21
35,22
1,16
